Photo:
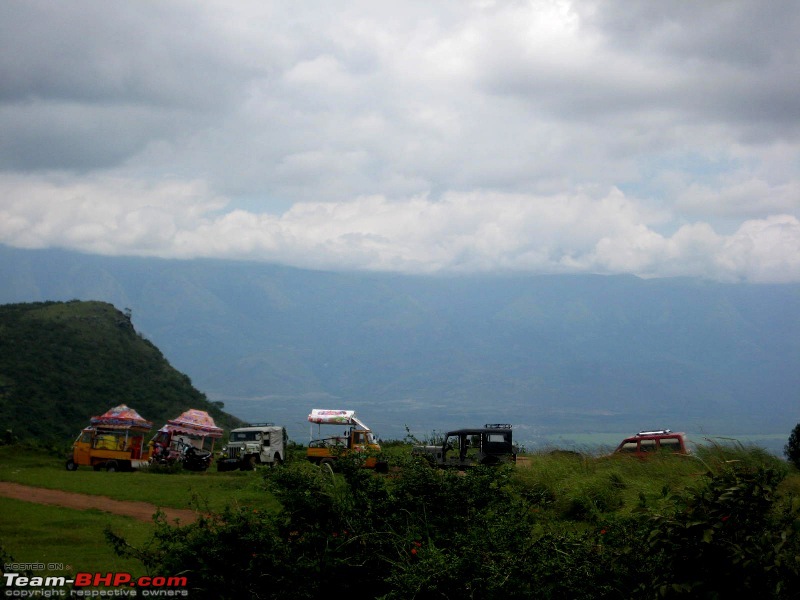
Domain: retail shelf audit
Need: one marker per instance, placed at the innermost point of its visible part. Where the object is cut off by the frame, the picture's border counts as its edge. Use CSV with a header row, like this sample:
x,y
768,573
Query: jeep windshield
x,y
245,436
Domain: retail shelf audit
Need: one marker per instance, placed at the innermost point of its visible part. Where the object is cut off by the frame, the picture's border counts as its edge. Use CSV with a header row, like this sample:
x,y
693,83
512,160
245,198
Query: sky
x,y
657,139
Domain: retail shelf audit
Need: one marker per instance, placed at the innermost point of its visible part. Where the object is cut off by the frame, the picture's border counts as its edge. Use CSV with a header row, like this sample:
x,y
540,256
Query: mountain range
x,y
547,353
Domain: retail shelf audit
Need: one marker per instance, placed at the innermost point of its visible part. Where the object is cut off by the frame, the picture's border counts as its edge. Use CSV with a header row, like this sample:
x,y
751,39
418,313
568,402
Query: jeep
x,y
463,448
256,444
645,443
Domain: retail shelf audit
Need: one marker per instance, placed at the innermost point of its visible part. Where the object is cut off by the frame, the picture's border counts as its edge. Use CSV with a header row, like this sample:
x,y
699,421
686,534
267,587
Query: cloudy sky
x,y
540,136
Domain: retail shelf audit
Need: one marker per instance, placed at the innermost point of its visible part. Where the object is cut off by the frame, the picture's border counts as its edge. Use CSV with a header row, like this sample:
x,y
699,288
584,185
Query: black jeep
x,y
463,448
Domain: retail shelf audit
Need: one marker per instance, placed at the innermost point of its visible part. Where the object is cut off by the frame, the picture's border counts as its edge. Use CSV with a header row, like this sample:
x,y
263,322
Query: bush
x,y
425,533
792,448
729,538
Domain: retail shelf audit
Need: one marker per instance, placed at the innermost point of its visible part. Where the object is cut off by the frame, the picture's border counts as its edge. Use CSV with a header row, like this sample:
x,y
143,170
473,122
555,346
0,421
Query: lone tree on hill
x,y
792,448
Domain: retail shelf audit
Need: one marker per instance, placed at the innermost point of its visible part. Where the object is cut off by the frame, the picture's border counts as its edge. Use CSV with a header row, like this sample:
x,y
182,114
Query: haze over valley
x,y
553,355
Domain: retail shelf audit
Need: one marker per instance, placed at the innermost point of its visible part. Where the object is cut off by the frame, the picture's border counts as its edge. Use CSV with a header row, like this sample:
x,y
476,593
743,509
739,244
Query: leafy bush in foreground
x,y
792,448
422,533
730,537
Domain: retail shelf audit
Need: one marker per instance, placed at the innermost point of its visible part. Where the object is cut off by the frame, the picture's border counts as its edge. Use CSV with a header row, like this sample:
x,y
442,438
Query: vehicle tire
x,y
276,460
112,466
249,463
71,466
326,462
98,466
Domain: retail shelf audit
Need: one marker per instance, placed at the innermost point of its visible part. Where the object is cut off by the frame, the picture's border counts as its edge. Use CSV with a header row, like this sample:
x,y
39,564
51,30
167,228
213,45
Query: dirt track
x,y
138,510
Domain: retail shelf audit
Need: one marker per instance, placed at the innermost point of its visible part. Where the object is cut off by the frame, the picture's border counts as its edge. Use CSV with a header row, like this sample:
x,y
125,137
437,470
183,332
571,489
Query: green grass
x,y
206,491
582,487
606,442
35,533
48,534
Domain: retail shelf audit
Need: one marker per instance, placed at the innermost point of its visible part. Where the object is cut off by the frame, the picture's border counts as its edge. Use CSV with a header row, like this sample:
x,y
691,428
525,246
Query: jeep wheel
x,y
71,466
111,466
249,463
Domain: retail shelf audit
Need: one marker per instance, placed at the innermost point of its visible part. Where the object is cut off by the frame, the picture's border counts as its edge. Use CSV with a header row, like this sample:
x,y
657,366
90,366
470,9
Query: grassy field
x,y
599,443
206,491
572,488
69,540
48,534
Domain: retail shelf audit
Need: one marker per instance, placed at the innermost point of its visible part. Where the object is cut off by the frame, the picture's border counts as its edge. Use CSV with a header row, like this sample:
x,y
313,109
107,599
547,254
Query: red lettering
x,y
83,579
121,579
103,580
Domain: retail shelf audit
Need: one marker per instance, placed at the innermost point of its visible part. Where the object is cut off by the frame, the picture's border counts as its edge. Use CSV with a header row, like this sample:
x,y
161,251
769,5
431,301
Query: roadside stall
x,y
184,440
113,441
353,436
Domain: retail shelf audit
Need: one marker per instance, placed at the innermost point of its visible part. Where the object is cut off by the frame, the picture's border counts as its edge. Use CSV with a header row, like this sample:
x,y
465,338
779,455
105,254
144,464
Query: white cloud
x,y
414,136
479,231
740,199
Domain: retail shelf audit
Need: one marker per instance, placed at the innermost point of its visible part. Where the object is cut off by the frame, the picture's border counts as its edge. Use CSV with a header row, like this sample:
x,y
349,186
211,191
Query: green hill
x,y
64,362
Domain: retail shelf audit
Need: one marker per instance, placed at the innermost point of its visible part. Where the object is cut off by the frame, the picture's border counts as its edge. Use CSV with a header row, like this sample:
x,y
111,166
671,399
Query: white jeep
x,y
256,444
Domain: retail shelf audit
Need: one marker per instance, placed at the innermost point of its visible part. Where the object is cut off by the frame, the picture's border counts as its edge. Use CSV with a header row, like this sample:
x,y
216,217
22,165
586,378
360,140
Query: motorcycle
x,y
195,459
190,458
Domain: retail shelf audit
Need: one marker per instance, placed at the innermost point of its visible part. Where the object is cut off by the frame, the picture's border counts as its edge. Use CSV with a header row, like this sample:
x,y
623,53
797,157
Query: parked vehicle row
x,y
115,441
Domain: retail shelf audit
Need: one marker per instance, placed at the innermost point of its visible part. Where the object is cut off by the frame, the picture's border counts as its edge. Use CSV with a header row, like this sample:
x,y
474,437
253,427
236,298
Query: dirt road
x,y
138,510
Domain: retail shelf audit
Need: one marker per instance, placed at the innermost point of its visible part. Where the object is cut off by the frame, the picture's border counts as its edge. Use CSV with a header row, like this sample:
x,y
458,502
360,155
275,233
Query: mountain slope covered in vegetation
x,y
63,362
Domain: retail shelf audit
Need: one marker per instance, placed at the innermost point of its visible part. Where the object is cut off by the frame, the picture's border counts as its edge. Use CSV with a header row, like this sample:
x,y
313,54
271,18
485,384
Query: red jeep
x,y
646,443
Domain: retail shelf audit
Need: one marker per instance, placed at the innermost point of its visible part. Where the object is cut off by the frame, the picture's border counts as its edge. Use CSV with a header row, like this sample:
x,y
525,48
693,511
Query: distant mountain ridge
x,y
548,353
62,363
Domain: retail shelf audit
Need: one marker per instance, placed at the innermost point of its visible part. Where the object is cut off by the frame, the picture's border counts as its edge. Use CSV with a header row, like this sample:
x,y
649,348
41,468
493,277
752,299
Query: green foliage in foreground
x,y
492,533
792,448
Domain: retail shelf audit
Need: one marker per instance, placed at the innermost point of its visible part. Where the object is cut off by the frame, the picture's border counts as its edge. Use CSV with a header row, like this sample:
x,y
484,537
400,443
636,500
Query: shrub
x,y
727,538
423,533
792,448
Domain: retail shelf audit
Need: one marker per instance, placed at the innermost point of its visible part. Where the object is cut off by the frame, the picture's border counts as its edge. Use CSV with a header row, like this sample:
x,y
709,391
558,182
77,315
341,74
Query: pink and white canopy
x,y
322,416
331,417
195,422
121,417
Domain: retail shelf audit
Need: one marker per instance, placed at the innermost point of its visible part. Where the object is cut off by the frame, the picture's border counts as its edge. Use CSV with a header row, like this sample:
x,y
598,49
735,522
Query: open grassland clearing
x,y
209,491
68,539
580,487
46,533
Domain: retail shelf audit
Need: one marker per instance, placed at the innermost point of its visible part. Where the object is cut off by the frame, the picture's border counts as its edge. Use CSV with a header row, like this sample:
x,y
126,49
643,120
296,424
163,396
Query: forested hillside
x,y
64,362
